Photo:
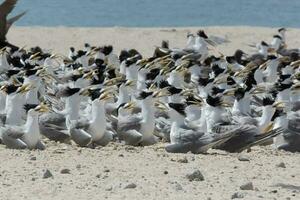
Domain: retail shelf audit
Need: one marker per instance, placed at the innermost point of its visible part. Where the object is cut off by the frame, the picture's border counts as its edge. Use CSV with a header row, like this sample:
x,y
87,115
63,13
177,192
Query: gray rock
x,y
195,176
237,195
47,174
65,171
183,160
247,186
130,186
243,158
281,165
109,188
178,187
33,158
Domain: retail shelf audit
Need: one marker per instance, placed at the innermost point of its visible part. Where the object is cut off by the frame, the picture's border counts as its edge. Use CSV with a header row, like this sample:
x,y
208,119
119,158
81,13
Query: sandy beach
x,y
124,172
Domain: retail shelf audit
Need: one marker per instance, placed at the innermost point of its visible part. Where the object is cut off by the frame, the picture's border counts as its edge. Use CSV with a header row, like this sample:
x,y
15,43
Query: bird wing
x,y
53,118
218,40
188,135
293,128
12,132
5,8
132,122
13,20
82,124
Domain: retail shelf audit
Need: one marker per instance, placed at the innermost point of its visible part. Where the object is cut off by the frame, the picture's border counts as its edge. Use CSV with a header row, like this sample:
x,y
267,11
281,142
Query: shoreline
x,y
59,39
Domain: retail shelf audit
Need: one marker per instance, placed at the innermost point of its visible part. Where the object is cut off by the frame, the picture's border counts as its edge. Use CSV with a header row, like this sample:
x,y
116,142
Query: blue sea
x,y
158,13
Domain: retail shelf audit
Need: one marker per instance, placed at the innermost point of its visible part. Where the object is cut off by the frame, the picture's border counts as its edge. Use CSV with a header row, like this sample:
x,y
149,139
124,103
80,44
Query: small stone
x,y
281,165
98,175
33,158
106,170
178,187
247,186
237,195
121,155
243,158
47,174
65,171
166,172
183,160
195,176
78,166
130,186
33,179
109,188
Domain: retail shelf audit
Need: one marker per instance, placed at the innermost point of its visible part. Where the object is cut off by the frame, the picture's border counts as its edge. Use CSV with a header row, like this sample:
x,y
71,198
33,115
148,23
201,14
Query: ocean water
x,y
158,13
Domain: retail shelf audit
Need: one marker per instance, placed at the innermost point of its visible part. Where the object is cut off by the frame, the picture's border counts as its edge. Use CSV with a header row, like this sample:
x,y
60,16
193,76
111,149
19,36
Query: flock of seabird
x,y
193,98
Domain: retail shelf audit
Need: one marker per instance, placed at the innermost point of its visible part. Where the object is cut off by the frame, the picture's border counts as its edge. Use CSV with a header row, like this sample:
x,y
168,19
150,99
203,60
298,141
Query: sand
x,y
104,173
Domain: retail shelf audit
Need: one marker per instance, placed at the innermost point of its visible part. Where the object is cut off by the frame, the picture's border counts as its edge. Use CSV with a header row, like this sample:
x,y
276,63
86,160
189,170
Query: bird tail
x,y
261,139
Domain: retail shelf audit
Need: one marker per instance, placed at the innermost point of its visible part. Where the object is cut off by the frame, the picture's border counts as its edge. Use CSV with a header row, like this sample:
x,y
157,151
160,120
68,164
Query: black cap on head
x,y
239,93
95,93
230,81
277,36
294,56
217,70
133,52
204,81
123,55
81,53
99,62
281,29
202,34
28,107
11,89
216,90
263,43
282,86
30,72
272,57
106,50
66,92
36,49
152,74
163,84
72,49
213,101
165,44
179,107
230,59
111,74
267,101
12,72
278,113
283,77
121,105
174,90
144,95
